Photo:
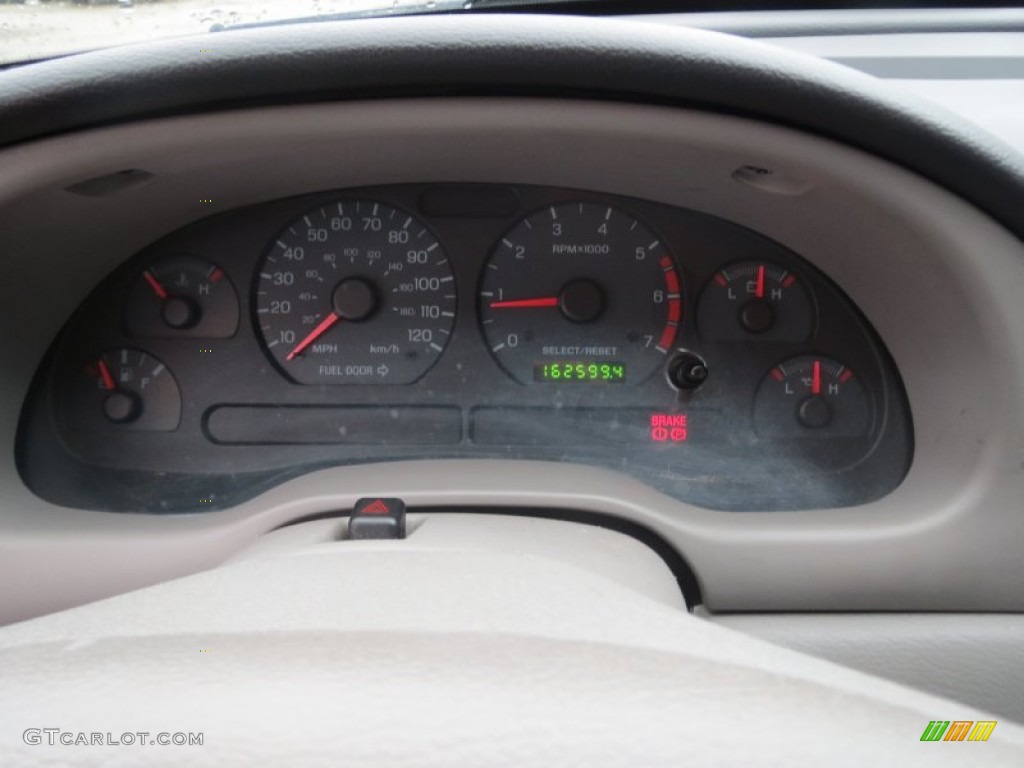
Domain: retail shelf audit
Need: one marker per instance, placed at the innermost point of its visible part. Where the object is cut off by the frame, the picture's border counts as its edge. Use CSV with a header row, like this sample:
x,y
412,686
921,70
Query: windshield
x,y
40,29
37,29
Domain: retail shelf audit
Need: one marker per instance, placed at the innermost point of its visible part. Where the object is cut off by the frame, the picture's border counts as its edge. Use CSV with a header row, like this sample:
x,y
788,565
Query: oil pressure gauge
x,y
811,396
755,300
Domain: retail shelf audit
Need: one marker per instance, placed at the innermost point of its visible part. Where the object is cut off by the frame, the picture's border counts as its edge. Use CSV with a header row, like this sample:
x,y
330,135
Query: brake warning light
x,y
668,427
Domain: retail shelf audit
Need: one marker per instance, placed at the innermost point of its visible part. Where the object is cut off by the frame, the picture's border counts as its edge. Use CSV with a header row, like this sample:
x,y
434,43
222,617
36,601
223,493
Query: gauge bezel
x,y
125,472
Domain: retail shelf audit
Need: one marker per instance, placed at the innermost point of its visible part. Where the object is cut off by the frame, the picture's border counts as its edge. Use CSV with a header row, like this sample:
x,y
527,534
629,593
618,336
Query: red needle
x,y
816,381
547,301
315,334
759,291
158,289
108,380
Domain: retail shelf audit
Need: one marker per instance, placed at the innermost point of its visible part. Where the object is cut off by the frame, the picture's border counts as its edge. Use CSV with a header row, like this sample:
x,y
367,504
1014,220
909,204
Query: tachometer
x,y
355,292
580,293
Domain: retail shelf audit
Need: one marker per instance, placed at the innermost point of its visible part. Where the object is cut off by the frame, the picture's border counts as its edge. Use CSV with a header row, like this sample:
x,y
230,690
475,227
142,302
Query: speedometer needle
x,y
547,301
315,334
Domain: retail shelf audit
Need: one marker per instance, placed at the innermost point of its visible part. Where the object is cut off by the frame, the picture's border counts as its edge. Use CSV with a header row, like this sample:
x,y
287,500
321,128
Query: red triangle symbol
x,y
377,507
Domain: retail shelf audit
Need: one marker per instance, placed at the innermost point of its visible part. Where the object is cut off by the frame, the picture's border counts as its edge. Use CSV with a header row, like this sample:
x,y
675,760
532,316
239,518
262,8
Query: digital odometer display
x,y
579,371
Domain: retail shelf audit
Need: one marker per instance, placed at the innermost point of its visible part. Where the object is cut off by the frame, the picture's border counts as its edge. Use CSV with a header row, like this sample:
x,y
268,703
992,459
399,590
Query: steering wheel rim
x,y
514,55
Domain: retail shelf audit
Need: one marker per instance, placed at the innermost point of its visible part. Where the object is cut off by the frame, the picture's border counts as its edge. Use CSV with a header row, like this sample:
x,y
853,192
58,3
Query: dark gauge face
x,y
811,396
355,292
754,300
182,296
123,389
580,293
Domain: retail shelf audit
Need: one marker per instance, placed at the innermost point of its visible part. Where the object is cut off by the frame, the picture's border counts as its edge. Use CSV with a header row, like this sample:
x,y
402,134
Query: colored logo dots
x,y
958,730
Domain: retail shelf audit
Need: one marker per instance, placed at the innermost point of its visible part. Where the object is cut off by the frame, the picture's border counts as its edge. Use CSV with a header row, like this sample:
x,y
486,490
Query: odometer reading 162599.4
x,y
579,371
355,292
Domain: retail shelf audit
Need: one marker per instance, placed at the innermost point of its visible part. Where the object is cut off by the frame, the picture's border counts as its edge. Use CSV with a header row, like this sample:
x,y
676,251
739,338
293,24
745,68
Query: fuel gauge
x,y
811,396
182,296
125,388
755,300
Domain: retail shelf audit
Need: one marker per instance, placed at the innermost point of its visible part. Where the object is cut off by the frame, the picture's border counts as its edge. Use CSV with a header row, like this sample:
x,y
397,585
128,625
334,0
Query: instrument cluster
x,y
465,321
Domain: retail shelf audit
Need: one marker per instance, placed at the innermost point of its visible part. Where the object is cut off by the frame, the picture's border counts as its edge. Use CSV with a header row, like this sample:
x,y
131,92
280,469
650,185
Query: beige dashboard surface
x,y
466,654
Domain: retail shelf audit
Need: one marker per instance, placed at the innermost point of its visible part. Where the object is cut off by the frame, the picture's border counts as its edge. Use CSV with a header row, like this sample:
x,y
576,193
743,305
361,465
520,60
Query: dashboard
x,y
656,333
901,240
466,321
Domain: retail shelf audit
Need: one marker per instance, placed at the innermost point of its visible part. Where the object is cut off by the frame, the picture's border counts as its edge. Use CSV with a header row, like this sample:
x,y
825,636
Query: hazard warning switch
x,y
374,518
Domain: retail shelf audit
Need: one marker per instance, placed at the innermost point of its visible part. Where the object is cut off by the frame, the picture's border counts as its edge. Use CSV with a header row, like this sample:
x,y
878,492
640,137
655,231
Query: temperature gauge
x,y
754,299
811,396
125,388
182,296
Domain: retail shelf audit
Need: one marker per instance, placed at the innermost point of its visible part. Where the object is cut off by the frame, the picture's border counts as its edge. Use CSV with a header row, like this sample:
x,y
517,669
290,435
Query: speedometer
x,y
580,293
355,292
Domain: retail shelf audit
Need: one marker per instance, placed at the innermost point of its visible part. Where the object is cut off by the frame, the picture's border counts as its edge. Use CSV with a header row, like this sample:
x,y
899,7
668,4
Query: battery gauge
x,y
182,297
755,300
811,396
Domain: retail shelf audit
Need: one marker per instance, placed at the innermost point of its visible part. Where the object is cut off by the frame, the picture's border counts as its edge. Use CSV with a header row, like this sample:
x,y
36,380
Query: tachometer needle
x,y
315,334
547,301
108,380
759,291
816,380
158,289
